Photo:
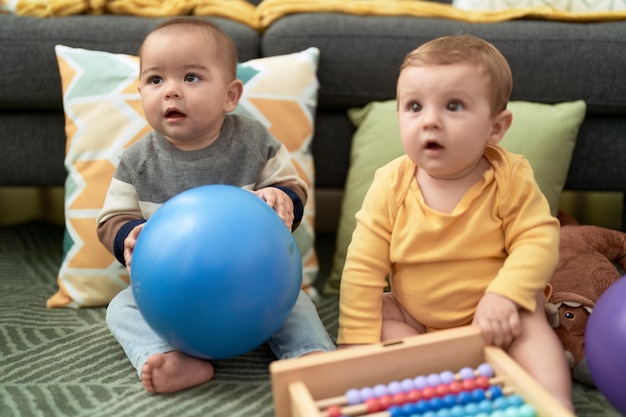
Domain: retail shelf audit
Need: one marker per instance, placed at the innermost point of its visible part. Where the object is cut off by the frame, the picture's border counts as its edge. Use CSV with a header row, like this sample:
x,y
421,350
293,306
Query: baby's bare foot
x,y
169,372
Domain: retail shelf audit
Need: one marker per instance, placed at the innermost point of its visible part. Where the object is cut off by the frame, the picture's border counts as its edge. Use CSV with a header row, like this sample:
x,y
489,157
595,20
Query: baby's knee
x,y
118,304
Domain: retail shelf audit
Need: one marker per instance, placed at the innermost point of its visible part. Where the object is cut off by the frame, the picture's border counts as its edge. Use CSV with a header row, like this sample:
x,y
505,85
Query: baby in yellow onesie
x,y
458,224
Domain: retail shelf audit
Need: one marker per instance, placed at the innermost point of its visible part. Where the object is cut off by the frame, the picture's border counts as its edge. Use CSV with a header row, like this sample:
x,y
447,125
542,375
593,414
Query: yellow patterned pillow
x,y
104,116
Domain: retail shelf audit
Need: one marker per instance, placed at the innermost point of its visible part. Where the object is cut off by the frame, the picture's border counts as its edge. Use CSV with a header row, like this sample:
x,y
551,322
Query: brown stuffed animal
x,y
586,269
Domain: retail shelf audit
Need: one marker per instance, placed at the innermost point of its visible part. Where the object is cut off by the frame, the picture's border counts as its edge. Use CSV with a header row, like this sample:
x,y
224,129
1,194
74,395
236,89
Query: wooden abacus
x,y
305,387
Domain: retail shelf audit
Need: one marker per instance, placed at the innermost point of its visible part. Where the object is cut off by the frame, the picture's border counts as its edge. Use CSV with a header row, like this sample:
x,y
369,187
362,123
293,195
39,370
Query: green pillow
x,y
545,134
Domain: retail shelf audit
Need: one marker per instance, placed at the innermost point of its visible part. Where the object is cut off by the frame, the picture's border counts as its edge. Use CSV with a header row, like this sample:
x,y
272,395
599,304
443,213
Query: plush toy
x,y
587,267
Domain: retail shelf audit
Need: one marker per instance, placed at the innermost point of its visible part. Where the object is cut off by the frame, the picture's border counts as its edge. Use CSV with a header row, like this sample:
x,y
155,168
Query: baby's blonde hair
x,y
449,50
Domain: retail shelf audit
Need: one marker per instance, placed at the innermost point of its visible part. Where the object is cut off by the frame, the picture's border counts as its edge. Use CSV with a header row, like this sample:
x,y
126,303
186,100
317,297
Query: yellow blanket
x,y
270,10
238,10
151,8
43,8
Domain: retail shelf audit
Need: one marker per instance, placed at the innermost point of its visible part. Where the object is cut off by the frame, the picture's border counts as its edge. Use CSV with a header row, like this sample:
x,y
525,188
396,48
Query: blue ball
x,y
215,272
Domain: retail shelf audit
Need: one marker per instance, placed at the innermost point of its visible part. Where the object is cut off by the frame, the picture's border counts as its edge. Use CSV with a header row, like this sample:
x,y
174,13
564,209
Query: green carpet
x,y
66,363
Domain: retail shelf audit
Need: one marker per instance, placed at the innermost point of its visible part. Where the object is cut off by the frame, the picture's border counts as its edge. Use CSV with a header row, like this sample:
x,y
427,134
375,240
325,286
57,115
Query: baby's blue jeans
x,y
302,332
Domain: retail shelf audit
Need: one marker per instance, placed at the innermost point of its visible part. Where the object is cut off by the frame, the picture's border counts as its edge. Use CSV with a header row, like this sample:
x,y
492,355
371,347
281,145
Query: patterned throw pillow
x,y
104,116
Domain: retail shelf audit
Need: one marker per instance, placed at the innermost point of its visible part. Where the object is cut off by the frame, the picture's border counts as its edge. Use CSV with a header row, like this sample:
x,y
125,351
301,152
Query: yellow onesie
x,y
500,238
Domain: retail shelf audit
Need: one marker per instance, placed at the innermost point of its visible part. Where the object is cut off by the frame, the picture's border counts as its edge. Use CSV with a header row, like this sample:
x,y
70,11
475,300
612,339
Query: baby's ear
x,y
233,95
501,124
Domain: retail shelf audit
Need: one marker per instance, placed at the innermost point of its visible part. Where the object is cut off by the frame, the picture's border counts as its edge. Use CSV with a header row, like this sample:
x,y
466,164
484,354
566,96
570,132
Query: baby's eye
x,y
191,78
415,107
155,79
455,106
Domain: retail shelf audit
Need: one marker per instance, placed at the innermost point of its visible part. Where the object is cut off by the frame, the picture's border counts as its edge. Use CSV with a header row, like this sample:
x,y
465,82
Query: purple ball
x,y
605,344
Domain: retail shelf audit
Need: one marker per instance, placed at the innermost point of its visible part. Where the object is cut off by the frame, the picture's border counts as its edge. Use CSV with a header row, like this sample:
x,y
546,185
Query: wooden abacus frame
x,y
298,383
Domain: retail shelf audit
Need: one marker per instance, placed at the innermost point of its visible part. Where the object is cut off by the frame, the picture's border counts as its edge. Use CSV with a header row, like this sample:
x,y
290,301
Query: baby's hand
x,y
129,244
280,202
498,319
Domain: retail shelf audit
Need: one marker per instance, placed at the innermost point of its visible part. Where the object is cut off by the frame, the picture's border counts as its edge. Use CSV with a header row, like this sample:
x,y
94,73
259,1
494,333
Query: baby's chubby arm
x,y
498,319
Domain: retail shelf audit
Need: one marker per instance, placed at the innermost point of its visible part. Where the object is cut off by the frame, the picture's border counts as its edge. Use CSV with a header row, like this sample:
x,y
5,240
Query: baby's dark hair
x,y
225,45
449,50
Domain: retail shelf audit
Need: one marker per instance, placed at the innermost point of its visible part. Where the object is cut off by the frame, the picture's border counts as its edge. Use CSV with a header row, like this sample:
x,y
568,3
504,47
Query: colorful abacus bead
x,y
353,396
334,411
421,387
464,404
484,369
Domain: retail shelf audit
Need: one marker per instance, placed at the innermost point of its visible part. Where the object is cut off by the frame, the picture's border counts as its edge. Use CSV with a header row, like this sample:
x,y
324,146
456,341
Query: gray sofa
x,y
551,62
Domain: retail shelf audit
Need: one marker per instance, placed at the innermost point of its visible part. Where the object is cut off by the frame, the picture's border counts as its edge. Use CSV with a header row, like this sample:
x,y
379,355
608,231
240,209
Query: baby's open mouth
x,y
174,114
433,146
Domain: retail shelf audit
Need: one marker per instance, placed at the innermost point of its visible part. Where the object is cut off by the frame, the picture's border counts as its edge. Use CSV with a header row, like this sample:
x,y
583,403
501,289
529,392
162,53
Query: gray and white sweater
x,y
152,170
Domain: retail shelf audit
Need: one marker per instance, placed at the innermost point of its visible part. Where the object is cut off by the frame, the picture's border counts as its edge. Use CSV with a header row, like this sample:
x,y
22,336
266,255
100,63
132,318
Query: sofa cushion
x,y
104,116
545,134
